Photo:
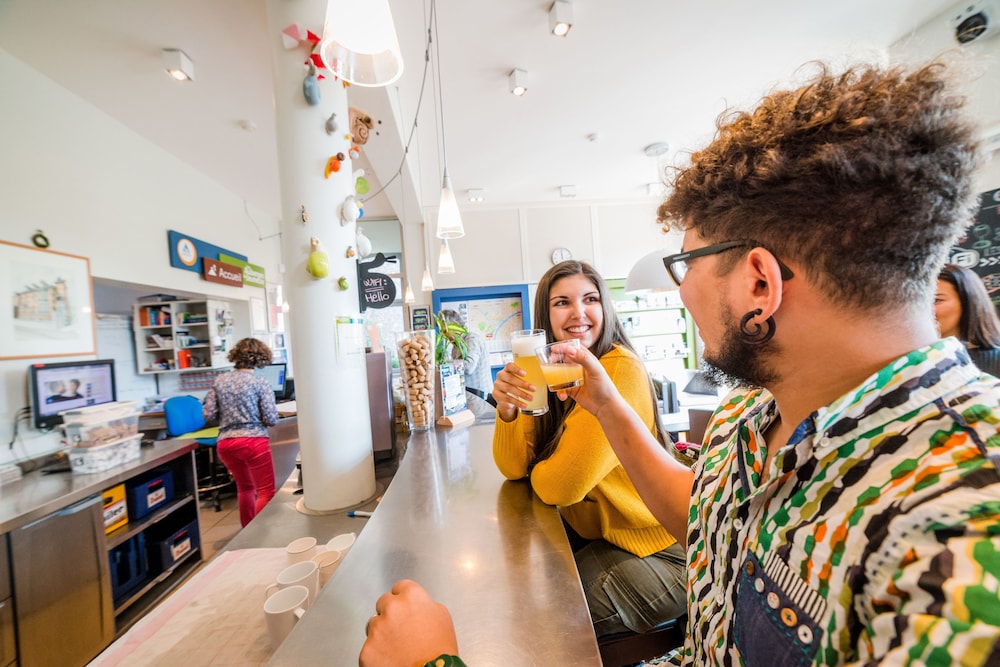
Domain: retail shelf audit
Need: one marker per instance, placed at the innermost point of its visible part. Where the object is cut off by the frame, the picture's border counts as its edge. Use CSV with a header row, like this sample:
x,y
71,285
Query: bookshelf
x,y
659,327
182,335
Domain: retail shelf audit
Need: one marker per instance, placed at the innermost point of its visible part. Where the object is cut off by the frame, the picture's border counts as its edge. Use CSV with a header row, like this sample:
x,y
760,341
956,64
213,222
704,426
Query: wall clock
x,y
561,255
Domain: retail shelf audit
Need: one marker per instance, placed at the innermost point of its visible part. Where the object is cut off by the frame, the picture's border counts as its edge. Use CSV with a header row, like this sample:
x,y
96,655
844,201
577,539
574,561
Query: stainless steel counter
x,y
36,495
487,548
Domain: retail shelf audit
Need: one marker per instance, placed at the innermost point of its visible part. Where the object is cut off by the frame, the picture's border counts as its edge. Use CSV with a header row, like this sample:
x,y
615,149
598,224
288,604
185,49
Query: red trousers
x,y
249,460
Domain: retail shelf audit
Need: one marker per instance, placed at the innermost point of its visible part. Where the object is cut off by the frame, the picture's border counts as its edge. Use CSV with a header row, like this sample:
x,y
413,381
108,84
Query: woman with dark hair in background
x,y
244,405
632,569
963,309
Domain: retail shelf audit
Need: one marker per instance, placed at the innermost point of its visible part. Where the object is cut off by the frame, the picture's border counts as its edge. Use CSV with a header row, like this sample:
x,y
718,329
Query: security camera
x,y
976,20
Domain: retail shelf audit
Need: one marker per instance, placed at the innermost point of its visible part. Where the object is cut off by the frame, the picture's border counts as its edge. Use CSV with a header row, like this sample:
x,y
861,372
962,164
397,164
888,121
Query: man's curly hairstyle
x,y
863,178
250,353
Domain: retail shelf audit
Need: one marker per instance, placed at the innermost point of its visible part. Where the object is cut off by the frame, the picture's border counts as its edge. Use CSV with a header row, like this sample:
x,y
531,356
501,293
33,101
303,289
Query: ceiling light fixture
x,y
446,263
359,43
408,293
518,80
449,222
178,65
477,194
567,191
560,18
426,284
649,275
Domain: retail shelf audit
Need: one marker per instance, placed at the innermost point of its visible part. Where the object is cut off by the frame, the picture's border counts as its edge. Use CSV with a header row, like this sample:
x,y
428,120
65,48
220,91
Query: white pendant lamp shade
x,y
649,275
446,263
427,285
359,42
449,223
408,294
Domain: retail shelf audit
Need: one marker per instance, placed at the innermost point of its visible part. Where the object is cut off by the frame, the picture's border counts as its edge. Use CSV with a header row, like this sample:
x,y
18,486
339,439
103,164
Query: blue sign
x,y
186,251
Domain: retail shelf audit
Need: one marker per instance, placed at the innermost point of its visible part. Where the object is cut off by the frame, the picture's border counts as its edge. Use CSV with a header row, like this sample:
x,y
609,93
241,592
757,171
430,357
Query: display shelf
x,y
659,327
133,527
182,335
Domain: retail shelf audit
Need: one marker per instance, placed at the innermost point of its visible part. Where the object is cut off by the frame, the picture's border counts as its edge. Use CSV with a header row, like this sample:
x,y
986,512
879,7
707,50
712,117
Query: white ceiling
x,y
630,73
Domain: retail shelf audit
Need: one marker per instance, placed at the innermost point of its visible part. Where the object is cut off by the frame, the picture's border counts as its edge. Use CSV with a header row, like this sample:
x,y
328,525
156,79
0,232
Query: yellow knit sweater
x,y
583,476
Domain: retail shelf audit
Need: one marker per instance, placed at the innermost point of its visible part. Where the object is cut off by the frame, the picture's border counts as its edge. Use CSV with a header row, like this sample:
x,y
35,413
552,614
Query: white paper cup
x,y
327,561
341,543
301,549
282,610
305,574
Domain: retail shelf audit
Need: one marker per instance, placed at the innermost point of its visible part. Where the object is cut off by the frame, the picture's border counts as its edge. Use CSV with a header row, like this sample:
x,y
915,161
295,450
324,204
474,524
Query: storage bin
x,y
104,457
167,548
101,424
115,508
128,566
149,492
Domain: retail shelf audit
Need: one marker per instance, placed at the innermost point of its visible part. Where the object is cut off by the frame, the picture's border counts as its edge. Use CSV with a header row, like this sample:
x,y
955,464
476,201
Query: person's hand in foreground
x,y
408,628
511,391
597,389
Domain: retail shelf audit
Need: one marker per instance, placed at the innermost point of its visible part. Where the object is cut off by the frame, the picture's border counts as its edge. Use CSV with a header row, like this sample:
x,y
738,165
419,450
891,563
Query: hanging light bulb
x,y
408,294
449,222
427,284
446,264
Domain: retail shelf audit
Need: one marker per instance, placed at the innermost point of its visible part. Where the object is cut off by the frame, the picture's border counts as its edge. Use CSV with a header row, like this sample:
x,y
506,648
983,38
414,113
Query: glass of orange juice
x,y
523,344
559,371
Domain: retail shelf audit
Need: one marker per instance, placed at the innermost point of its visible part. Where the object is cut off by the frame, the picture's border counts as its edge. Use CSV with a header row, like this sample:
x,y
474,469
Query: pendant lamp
x,y
449,222
359,42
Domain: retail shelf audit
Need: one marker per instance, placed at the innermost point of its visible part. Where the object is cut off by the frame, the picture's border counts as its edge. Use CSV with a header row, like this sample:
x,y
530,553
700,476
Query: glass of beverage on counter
x,y
559,371
523,344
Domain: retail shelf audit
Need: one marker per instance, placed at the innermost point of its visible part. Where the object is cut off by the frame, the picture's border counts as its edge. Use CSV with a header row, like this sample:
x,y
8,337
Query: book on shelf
x,y
158,341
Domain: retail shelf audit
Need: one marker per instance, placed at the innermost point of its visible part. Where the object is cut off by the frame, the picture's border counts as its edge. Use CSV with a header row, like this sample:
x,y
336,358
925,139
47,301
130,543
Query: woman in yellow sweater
x,y
632,569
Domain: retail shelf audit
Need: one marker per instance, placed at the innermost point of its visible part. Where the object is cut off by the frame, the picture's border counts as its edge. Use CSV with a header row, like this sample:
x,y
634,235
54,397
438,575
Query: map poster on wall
x,y
979,249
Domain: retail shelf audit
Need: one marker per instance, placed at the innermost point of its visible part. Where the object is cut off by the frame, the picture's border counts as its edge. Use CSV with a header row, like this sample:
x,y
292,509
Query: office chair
x,y
185,422
697,423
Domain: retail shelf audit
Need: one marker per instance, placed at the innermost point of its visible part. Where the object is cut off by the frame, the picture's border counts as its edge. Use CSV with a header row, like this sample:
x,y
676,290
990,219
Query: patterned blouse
x,y
243,403
875,537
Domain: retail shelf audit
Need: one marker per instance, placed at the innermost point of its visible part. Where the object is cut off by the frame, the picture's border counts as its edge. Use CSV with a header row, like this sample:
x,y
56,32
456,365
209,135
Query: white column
x,y
331,385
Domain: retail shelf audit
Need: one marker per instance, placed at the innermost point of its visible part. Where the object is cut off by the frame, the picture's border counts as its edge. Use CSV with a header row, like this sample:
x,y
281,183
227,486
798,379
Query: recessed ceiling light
x,y
477,194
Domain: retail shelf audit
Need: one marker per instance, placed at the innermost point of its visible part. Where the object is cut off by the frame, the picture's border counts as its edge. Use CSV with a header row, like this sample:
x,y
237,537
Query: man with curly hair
x,y
846,505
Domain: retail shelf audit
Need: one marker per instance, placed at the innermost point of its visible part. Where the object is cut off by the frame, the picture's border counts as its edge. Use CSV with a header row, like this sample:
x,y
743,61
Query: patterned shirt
x,y
243,403
875,535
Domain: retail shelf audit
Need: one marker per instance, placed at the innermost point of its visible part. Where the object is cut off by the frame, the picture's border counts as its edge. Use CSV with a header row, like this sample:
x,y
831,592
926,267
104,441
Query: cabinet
x,y
659,327
151,555
182,335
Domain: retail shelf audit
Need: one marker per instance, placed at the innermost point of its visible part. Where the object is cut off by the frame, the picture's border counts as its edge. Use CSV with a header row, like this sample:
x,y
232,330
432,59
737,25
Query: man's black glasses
x,y
677,265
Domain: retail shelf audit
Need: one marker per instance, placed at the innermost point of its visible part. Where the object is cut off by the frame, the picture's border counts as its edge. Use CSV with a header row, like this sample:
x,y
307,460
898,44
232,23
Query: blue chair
x,y
185,422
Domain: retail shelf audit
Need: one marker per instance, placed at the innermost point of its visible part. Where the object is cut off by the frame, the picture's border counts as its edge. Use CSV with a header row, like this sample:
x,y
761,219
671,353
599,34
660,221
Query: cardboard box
x,y
115,508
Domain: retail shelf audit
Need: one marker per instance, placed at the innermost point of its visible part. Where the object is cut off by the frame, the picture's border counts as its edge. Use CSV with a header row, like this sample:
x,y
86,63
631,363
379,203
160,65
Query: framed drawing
x,y
48,308
258,315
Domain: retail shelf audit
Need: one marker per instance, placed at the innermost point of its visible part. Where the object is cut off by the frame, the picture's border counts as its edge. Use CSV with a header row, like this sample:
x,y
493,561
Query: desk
x,y
287,409
487,548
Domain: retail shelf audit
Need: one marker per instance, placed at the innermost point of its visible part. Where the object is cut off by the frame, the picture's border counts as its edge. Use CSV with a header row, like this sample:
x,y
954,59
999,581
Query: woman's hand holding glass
x,y
511,391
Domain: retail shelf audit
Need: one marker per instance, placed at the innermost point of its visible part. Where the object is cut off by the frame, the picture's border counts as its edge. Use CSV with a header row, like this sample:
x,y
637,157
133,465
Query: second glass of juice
x,y
523,345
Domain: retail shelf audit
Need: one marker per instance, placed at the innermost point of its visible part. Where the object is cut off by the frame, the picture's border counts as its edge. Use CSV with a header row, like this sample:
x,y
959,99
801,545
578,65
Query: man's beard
x,y
739,363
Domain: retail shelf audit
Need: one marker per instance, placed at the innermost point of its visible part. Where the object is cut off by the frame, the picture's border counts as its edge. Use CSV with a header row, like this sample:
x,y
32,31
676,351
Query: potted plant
x,y
450,343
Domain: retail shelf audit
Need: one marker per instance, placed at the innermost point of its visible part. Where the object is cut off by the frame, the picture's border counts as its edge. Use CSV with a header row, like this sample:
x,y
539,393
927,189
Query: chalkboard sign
x,y
375,290
979,249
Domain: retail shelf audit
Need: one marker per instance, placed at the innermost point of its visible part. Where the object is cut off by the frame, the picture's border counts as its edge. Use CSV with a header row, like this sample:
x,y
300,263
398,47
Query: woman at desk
x,y
243,403
631,568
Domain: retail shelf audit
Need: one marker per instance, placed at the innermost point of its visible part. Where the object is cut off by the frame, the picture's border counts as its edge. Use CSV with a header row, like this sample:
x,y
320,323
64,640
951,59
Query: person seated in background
x,y
963,309
475,356
844,508
632,569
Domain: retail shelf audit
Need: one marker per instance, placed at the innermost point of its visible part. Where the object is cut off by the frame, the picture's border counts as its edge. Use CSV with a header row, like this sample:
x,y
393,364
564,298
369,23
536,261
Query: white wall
x,y
99,190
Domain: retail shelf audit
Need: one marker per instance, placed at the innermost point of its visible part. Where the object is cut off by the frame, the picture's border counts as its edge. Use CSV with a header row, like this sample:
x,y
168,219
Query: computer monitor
x,y
67,386
275,374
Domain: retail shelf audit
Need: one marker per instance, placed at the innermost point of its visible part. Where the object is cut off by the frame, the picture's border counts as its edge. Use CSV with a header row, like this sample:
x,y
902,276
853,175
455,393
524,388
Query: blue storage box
x,y
128,566
166,548
153,491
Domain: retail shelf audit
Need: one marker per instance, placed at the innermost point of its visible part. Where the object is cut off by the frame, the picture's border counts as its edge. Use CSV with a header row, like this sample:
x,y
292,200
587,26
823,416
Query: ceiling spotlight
x,y
477,194
560,18
518,80
178,65
567,191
